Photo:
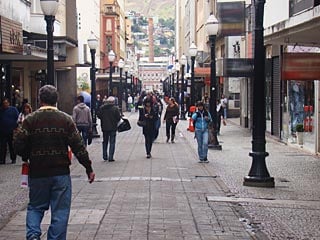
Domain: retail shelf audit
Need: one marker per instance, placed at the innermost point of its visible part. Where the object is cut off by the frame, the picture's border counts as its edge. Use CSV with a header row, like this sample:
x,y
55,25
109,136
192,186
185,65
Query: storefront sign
x,y
235,67
301,66
11,36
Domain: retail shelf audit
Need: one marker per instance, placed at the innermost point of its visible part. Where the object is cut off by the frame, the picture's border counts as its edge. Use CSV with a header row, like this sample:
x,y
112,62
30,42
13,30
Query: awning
x,y
202,72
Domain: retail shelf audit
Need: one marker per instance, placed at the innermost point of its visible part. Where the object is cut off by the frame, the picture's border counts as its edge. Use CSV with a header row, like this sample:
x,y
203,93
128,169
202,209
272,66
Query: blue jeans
x,y
202,137
53,192
108,136
84,133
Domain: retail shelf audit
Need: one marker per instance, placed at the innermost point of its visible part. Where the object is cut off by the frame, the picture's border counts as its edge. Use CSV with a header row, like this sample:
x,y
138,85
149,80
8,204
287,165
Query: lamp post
x,y
121,65
183,62
111,58
49,8
170,82
193,53
173,70
212,26
93,44
258,175
177,67
126,69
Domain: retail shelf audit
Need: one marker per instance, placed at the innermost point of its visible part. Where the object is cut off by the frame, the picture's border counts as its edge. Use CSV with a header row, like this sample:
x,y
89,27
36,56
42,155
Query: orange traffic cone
x,y
24,174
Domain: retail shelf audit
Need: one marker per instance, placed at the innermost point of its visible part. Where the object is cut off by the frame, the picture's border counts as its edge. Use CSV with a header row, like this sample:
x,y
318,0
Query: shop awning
x,y
202,72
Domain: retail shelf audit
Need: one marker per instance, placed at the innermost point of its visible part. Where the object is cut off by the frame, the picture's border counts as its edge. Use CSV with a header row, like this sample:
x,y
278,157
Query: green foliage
x,y
299,127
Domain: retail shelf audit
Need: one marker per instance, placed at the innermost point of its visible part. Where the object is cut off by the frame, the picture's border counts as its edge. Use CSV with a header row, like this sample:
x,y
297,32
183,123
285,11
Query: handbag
x,y
124,125
142,122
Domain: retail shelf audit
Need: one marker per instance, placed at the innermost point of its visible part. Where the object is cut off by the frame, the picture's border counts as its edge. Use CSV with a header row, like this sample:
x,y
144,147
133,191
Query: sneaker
x,y
201,161
148,155
167,139
172,141
111,160
206,161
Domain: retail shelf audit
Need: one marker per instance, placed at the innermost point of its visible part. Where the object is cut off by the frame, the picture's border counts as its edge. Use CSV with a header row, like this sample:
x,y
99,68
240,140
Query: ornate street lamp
x,y
193,50
258,175
121,65
212,26
111,58
183,62
93,44
50,8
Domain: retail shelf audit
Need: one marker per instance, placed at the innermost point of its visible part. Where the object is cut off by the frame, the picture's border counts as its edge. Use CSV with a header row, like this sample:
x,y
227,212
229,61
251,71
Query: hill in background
x,y
152,8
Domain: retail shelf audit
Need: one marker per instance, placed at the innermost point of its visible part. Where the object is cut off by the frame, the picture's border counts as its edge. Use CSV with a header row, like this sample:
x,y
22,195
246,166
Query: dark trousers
x,y
4,140
170,125
149,137
109,137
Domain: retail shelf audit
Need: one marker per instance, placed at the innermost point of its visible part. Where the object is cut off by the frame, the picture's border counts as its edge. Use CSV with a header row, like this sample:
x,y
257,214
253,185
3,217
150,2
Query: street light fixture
x,y
111,58
50,8
121,65
193,50
212,26
93,44
183,62
258,175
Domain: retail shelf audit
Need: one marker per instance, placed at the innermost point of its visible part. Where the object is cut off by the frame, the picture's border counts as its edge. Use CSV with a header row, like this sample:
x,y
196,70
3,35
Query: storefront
x,y
299,73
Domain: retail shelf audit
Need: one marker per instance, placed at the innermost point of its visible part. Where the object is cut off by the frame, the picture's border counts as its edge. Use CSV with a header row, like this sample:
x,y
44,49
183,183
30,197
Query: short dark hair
x,y
200,103
80,98
48,94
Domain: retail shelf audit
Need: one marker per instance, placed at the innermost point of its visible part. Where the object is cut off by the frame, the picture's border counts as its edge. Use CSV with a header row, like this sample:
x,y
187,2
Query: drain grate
x,y
200,177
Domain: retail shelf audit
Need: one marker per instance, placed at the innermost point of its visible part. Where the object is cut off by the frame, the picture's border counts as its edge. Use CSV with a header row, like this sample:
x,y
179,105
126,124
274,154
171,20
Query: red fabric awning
x,y
202,72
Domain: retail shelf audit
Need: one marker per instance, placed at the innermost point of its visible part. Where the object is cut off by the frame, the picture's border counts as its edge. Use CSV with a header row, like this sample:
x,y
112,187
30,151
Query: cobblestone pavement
x,y
172,196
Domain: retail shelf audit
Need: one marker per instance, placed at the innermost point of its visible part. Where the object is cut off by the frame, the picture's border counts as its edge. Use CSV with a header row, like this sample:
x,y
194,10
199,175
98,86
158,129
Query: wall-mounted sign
x,y
11,36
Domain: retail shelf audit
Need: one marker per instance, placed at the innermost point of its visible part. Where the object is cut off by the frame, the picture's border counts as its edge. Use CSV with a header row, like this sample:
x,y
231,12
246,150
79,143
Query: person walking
x,y
82,117
44,139
8,123
149,116
171,118
129,103
201,119
27,109
224,105
109,115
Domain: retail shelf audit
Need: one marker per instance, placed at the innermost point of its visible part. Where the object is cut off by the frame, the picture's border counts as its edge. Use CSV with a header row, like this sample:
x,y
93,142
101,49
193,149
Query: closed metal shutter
x,y
276,98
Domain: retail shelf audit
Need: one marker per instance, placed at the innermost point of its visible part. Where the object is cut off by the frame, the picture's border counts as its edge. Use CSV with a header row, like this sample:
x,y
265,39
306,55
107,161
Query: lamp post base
x,y
213,139
94,131
258,182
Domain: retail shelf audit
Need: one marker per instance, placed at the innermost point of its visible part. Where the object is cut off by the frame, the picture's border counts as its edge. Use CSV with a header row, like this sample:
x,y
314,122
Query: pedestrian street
x,y
172,196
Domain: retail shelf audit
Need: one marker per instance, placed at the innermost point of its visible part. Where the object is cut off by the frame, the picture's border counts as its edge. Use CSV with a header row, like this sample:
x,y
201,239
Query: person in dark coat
x,y
109,115
8,122
150,117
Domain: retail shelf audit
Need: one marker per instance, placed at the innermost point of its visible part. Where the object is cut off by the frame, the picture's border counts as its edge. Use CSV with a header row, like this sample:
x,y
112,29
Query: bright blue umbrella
x,y
87,98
